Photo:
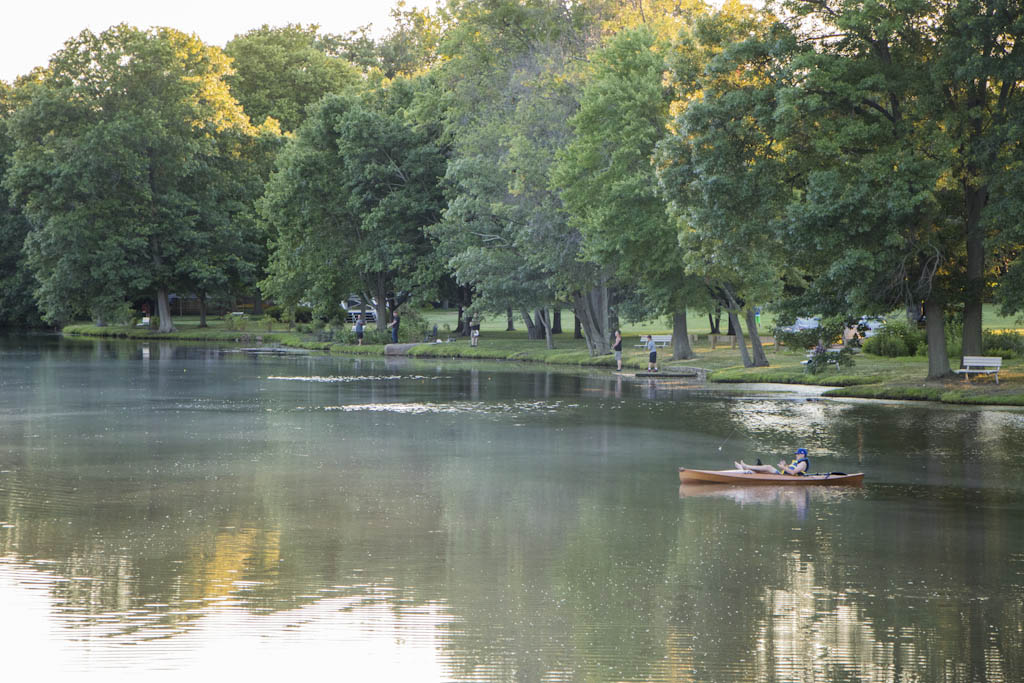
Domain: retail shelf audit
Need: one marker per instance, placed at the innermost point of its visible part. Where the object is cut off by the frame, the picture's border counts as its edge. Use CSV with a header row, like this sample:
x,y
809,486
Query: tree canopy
x,y
624,159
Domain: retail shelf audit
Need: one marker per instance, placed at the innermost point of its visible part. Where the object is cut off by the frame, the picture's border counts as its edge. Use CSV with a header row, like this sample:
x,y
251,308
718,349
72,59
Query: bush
x,y
821,359
273,312
798,339
1007,344
896,339
829,331
303,314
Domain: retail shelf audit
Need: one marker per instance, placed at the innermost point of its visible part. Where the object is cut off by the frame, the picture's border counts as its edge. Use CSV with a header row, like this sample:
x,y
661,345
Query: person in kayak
x,y
799,466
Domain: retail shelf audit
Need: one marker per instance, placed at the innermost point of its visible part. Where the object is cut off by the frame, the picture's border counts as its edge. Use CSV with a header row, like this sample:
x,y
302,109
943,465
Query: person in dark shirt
x,y
394,327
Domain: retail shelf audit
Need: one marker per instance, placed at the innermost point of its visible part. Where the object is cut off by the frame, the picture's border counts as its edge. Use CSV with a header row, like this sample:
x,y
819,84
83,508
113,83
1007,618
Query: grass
x,y
871,376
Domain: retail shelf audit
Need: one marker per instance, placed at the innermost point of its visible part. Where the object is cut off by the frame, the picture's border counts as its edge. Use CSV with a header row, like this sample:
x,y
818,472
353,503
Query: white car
x,y
352,305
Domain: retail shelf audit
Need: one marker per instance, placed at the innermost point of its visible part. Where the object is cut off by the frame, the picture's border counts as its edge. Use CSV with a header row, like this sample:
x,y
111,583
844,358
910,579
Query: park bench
x,y
658,339
981,365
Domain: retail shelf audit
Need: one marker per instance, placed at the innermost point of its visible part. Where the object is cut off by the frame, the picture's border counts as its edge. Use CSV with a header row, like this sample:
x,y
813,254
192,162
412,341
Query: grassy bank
x,y
871,377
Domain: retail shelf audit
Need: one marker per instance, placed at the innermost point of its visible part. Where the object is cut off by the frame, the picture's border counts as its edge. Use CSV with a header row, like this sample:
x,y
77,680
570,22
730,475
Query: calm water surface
x,y
170,510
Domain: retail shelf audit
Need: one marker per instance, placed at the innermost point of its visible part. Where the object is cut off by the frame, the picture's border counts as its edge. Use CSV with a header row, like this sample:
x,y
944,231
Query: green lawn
x,y
697,323
870,377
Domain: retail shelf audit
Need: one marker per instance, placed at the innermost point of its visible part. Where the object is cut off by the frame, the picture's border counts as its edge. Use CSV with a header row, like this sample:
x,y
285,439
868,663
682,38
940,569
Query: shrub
x,y
303,314
821,359
829,331
1008,344
798,339
897,338
273,312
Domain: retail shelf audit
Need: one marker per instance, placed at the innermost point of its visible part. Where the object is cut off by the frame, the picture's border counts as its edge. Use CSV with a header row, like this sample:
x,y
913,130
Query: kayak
x,y
746,478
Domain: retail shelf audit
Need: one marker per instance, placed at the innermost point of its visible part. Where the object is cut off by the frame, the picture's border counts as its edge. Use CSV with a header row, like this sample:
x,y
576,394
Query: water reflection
x,y
421,521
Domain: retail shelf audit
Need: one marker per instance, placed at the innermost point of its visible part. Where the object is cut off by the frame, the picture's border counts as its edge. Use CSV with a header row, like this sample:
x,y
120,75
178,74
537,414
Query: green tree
x,y
116,165
280,71
609,184
508,91
16,282
721,170
906,118
349,202
409,47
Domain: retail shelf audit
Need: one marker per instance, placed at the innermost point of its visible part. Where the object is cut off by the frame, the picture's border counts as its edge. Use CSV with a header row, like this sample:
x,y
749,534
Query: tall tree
x,y
350,200
279,72
608,181
16,282
721,169
908,116
508,93
116,166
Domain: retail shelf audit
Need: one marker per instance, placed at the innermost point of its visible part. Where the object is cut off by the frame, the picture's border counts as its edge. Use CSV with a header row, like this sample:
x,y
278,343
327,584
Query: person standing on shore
x,y
652,355
359,330
394,327
617,348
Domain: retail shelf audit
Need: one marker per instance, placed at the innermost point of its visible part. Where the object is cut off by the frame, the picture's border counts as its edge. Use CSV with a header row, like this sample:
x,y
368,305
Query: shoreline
x,y
886,380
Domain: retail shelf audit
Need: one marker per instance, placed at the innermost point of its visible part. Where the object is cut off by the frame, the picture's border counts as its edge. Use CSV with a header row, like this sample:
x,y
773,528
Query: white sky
x,y
33,30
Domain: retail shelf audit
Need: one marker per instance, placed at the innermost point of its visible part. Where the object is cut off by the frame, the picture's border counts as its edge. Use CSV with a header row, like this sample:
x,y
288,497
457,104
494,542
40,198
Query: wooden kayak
x,y
745,478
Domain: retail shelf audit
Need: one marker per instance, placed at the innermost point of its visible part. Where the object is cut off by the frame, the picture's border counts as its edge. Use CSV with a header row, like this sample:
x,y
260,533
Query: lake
x,y
173,510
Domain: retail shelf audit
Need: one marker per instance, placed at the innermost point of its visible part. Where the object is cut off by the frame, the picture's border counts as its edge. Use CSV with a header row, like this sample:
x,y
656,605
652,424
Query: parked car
x,y
802,324
352,305
872,325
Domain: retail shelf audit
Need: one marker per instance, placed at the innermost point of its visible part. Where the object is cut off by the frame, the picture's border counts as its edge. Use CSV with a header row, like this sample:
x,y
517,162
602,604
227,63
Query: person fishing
x,y
800,464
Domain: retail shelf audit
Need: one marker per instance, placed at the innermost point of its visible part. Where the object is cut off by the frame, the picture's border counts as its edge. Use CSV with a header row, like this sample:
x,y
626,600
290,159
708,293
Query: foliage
x,y
17,307
1008,344
897,338
121,164
280,72
899,122
822,358
409,47
349,202
725,178
798,339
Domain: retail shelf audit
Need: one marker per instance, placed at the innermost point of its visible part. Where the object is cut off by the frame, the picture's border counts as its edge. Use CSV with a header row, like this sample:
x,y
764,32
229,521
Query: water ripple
x,y
358,378
458,407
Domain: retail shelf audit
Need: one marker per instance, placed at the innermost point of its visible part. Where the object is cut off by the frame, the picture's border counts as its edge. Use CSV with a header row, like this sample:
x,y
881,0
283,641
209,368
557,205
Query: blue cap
x,y
801,451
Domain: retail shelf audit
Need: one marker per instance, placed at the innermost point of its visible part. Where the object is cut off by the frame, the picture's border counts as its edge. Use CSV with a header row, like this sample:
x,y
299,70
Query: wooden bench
x,y
658,339
981,365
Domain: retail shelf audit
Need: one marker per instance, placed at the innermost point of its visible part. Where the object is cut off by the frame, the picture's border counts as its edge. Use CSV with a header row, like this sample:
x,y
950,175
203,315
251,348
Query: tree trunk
x,y
257,305
383,314
734,325
716,320
556,322
532,330
681,338
592,311
460,325
976,198
202,310
511,327
577,331
163,305
760,359
545,321
935,331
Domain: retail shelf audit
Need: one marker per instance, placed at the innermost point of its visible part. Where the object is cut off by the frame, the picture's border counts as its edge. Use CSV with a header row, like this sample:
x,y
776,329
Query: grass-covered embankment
x,y
871,376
